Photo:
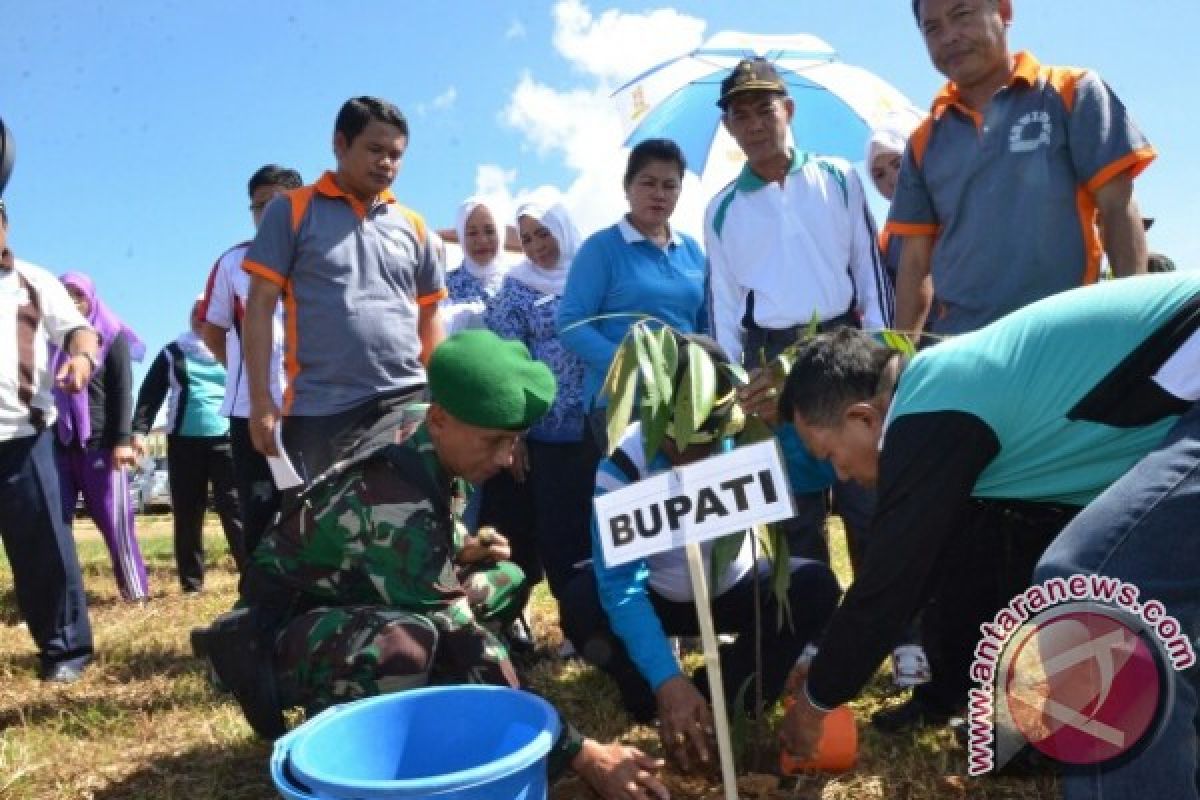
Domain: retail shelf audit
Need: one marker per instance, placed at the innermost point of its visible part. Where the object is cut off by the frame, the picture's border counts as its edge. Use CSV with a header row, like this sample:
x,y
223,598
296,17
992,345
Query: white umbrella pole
x,y
712,661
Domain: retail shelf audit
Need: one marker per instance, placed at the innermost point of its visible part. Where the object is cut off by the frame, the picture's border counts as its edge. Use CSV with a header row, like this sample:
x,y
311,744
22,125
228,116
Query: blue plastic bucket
x,y
446,742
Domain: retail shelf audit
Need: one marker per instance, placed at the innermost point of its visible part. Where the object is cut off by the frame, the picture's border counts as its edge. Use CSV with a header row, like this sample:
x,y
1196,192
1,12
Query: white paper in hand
x,y
282,471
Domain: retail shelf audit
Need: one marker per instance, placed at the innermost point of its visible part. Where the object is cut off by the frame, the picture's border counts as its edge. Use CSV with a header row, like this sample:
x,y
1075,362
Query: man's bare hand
x,y
74,374
687,723
123,456
486,545
263,419
761,396
618,772
800,730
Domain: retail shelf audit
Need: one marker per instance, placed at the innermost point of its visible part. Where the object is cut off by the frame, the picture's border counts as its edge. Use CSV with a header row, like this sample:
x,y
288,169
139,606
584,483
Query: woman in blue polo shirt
x,y
636,268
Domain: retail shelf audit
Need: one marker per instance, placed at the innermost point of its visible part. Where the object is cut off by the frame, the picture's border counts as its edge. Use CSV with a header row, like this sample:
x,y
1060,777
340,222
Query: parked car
x,y
150,488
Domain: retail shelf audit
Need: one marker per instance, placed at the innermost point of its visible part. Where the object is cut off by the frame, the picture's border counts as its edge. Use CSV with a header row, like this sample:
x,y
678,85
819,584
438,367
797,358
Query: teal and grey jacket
x,y
196,382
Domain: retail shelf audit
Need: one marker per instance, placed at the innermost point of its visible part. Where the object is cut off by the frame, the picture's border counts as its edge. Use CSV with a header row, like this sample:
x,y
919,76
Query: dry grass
x,y
144,723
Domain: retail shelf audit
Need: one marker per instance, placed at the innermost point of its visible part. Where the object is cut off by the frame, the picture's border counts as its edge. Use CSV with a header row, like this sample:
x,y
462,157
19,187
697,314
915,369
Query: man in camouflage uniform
x,y
371,584
377,551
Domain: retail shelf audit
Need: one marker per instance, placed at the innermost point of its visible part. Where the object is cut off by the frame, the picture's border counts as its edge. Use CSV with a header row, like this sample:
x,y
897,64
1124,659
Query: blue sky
x,y
138,122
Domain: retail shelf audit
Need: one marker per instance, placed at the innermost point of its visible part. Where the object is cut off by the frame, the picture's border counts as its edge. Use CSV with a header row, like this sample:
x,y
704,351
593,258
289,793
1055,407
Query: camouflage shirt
x,y
380,529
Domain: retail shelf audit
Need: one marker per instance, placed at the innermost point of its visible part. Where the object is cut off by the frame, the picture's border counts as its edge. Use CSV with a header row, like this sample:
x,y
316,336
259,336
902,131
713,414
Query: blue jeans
x,y
1145,530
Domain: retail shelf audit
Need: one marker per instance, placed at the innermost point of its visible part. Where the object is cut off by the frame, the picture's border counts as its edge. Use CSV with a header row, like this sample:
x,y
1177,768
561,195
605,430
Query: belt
x,y
773,340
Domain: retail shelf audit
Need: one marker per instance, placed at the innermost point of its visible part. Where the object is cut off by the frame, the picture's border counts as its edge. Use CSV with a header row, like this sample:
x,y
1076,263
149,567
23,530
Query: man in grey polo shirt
x,y
360,280
1008,174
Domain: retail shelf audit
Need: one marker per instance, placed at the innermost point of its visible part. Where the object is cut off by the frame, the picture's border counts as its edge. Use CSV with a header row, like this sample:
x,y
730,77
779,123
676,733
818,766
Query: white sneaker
x,y
910,666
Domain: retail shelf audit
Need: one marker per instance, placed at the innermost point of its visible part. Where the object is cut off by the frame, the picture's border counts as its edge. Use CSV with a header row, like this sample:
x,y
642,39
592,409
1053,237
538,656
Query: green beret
x,y
489,382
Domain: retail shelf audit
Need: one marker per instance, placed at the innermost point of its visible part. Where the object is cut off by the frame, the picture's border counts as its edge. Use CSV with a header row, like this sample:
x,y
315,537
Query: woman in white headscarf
x,y
545,499
885,154
469,288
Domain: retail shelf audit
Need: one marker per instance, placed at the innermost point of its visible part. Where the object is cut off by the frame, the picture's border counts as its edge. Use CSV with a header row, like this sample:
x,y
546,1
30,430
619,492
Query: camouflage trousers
x,y
332,655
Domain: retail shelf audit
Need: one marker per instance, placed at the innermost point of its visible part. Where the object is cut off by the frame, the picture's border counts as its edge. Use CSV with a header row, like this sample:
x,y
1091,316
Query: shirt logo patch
x,y
1031,132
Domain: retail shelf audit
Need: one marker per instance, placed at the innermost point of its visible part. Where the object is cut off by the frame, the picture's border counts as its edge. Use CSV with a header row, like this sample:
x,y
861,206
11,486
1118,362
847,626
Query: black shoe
x,y
912,715
62,673
240,659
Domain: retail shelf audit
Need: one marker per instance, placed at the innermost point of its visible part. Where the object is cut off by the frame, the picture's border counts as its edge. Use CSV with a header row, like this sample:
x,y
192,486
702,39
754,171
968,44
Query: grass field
x,y
144,722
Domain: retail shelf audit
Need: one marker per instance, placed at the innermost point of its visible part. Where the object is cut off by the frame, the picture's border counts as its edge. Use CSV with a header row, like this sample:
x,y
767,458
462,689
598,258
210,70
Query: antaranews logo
x,y
1076,667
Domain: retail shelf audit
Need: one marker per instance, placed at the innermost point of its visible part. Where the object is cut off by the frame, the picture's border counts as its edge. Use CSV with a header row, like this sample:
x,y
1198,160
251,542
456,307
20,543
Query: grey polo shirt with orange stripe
x,y
1009,193
354,279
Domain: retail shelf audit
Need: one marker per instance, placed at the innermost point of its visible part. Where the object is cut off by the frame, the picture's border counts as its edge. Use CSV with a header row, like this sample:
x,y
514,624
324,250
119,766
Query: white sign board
x,y
719,495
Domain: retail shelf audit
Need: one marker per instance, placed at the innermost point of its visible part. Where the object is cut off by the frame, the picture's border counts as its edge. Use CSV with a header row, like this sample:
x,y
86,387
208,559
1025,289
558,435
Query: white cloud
x,y
579,123
495,183
515,30
443,102
446,99
615,46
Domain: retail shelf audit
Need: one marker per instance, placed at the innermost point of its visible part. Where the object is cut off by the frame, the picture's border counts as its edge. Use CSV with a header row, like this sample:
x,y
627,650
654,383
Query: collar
x,y
1026,69
328,187
631,234
422,443
750,181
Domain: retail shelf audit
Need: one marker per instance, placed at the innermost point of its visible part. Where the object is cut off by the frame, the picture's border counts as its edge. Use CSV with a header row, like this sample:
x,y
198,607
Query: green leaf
x,y
612,377
755,431
654,409
724,551
898,342
813,327
737,373
697,395
668,345
781,575
622,393
739,730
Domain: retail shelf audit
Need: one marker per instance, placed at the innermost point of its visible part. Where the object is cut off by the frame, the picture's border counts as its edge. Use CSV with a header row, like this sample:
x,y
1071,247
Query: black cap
x,y
751,75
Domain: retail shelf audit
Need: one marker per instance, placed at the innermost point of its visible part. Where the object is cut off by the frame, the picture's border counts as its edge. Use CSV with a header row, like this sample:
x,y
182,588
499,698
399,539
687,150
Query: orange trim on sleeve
x,y
1133,163
1064,80
291,346
299,199
418,223
258,270
910,229
432,297
1092,247
919,140
1026,68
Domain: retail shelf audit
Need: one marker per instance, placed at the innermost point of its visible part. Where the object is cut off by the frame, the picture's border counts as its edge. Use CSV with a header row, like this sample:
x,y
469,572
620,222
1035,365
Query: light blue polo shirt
x,y
353,279
1027,375
1009,193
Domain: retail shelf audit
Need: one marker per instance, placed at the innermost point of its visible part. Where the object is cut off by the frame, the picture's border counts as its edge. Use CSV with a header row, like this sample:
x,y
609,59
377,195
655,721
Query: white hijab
x,y
191,343
892,132
547,208
491,275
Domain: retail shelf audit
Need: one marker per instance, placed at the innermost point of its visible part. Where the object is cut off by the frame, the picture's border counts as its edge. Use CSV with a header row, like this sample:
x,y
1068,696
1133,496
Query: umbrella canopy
x,y
836,104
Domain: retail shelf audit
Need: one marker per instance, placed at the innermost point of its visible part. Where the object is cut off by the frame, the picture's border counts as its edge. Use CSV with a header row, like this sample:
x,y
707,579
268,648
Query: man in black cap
x,y
362,582
791,240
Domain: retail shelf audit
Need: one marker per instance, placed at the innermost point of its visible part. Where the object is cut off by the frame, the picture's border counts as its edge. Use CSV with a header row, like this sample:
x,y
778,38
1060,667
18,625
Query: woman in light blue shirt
x,y
639,267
